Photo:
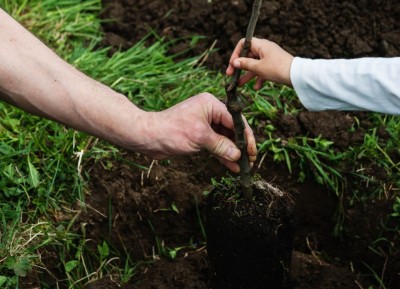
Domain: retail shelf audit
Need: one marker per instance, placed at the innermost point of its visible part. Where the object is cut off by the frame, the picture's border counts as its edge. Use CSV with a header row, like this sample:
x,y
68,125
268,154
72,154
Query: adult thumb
x,y
222,147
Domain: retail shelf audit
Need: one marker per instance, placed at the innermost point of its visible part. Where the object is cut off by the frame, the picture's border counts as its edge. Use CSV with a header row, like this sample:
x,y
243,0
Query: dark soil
x,y
143,203
249,241
308,28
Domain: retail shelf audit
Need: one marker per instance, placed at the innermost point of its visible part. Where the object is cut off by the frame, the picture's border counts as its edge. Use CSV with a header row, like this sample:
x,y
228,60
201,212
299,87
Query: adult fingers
x,y
225,119
232,166
222,147
251,142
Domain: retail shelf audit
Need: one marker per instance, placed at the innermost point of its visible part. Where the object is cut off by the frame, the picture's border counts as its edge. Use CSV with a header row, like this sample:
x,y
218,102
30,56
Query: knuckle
x,y
206,96
219,146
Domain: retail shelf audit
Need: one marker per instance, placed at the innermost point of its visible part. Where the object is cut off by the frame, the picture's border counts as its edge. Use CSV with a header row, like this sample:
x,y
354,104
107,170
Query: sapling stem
x,y
235,107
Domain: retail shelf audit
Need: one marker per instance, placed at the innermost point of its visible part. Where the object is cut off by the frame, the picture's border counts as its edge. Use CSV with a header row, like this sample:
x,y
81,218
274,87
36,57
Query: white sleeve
x,y
370,84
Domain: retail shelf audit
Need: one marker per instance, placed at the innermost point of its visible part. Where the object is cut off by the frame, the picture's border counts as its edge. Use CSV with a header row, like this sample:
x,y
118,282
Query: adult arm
x,y
35,79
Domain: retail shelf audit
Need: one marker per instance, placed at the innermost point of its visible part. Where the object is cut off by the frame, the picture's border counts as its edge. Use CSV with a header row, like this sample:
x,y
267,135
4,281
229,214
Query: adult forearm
x,y
371,84
35,79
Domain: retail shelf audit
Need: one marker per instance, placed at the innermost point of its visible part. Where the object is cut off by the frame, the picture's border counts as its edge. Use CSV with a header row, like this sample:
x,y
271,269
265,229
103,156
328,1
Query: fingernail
x,y
233,153
236,63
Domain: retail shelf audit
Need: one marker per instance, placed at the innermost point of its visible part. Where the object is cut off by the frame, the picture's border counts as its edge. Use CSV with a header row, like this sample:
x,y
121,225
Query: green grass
x,y
360,176
43,164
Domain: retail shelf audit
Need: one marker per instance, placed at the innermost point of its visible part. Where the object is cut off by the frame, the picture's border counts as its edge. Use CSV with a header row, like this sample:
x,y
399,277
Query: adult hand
x,y
201,121
265,61
60,92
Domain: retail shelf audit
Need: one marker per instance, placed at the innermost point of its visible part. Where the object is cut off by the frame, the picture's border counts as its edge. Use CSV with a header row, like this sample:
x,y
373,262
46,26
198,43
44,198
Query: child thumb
x,y
248,64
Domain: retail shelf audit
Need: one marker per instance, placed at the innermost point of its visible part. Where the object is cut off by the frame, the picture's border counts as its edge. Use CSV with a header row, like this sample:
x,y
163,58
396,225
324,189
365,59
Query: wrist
x,y
285,77
147,133
133,128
